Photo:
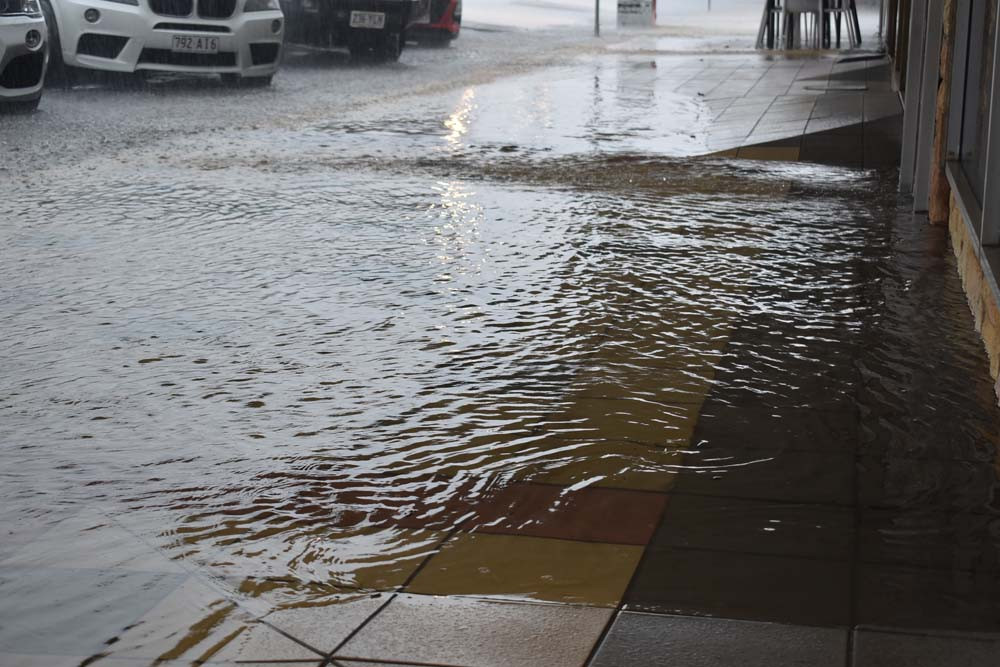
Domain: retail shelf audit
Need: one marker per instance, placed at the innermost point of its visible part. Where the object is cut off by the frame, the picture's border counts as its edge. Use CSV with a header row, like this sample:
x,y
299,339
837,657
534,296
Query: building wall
x,y
982,299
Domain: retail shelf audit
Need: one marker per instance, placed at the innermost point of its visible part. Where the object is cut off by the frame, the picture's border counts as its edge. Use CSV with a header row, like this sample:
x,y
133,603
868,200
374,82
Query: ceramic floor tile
x,y
98,542
529,567
915,484
43,660
260,642
745,586
780,529
478,633
324,627
763,153
784,429
635,420
639,400
783,476
843,122
930,539
889,649
925,599
592,514
667,641
730,153
73,611
614,464
193,623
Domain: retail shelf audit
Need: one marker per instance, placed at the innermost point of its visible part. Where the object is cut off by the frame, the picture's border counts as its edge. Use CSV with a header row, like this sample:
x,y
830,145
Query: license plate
x,y
369,20
194,44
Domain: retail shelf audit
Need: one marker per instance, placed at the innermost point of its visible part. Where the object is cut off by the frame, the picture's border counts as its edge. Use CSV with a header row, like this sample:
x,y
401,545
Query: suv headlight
x,y
26,7
257,5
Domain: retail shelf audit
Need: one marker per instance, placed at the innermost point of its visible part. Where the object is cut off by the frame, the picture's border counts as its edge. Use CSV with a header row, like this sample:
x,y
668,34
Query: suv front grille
x,y
172,7
191,27
216,9
168,57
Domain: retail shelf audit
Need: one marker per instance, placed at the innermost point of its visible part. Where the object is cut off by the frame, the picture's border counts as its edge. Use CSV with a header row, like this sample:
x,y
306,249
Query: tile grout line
x,y
856,492
638,567
621,603
330,657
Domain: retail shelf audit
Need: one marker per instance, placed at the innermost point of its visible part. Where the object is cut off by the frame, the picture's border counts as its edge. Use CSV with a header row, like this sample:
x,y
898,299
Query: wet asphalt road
x,y
105,116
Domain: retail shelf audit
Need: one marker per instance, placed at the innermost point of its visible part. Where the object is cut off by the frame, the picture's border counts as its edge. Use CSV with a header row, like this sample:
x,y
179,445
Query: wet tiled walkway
x,y
780,485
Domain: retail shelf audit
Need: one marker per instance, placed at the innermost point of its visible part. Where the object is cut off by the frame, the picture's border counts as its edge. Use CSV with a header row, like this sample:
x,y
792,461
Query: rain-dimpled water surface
x,y
311,363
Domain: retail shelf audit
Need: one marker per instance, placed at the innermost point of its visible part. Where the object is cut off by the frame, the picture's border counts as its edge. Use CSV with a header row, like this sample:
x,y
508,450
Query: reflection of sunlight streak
x,y
458,230
458,122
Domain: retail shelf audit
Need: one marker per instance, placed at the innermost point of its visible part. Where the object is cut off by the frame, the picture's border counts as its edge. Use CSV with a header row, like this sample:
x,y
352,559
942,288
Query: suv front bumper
x,y
22,70
128,38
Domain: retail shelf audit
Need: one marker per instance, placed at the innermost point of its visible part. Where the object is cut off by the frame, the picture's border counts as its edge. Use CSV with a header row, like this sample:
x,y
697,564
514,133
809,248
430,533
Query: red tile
x,y
615,516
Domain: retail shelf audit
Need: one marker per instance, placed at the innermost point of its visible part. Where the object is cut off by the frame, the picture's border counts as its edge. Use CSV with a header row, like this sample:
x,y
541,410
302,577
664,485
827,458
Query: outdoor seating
x,y
812,24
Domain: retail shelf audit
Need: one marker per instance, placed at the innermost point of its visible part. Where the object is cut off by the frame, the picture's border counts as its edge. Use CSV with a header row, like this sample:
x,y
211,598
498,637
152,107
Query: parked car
x,y
367,28
239,39
23,54
443,26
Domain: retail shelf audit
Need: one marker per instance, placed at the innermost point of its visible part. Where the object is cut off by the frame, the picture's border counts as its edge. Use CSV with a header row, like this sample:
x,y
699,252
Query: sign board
x,y
636,13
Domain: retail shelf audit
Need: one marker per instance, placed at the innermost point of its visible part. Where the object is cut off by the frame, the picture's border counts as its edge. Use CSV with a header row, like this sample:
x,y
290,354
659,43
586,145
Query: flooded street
x,y
503,333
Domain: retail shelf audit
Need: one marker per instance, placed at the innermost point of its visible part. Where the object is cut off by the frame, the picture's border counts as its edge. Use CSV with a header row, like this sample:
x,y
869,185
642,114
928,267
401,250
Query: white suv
x,y
239,39
23,54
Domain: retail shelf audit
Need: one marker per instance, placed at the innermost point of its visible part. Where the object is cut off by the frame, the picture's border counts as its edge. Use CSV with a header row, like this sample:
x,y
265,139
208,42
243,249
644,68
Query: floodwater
x,y
308,362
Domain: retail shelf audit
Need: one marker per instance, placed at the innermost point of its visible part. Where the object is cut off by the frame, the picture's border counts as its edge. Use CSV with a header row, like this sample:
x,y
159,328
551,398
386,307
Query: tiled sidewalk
x,y
833,110
550,571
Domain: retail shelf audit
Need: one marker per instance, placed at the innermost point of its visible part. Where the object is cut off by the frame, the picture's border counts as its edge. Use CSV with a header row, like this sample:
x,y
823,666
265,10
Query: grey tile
x,y
927,599
757,526
742,585
892,649
776,124
261,642
325,627
668,641
97,542
74,611
930,539
904,482
478,633
789,476
834,122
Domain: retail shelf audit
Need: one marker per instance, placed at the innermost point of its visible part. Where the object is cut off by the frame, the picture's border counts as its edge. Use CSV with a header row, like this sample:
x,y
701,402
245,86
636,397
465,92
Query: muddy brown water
x,y
305,375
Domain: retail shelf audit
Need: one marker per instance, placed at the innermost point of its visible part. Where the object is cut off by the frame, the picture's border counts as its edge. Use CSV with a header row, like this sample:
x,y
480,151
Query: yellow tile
x,y
629,419
374,558
388,561
781,154
530,567
620,465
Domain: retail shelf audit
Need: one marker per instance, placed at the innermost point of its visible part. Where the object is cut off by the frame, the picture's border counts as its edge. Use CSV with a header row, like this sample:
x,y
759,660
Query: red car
x,y
444,24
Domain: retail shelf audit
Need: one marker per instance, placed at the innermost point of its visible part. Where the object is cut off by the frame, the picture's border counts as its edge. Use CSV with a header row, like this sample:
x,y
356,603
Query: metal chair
x,y
769,33
834,11
802,23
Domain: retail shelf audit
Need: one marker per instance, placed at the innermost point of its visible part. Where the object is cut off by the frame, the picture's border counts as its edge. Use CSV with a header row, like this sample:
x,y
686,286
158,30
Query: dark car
x,y
444,24
375,29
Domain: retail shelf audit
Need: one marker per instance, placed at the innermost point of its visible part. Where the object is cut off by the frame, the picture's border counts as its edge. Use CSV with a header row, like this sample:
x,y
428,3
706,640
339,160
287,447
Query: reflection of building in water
x,y
946,65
